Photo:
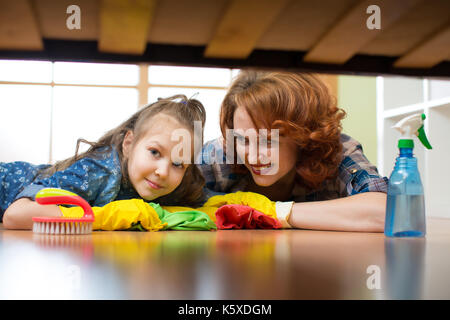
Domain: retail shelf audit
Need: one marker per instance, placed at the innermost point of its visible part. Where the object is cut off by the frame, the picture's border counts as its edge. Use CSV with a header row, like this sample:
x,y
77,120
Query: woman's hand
x,y
19,213
363,212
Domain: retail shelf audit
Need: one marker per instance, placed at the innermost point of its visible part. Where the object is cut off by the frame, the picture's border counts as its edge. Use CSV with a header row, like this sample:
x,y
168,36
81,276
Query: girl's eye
x,y
154,152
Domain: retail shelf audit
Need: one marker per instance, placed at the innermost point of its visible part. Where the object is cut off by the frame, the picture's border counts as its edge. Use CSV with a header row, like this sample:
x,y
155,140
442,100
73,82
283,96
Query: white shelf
x,y
399,97
444,102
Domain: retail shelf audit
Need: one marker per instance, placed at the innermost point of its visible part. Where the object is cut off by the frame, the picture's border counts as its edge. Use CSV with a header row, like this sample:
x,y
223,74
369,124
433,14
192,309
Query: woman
x,y
282,138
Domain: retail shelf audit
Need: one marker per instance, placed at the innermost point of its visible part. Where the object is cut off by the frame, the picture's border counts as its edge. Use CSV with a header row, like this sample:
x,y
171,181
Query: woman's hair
x,y
185,111
301,107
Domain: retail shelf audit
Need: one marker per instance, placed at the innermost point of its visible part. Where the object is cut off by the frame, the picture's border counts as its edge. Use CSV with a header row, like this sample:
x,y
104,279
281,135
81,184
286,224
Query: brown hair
x,y
301,107
184,110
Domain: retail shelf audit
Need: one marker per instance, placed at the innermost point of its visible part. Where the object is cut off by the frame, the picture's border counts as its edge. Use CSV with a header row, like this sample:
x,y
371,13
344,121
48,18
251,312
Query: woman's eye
x,y
240,140
178,165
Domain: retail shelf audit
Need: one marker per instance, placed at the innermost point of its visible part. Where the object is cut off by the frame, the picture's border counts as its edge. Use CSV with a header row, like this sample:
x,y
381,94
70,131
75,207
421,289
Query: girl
x,y
134,160
324,172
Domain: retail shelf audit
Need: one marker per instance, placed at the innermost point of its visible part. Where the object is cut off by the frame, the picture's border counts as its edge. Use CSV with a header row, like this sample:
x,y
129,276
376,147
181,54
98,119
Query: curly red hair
x,y
301,107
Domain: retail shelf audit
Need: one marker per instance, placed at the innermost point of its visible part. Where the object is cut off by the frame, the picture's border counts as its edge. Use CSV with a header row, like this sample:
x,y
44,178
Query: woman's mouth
x,y
259,170
153,185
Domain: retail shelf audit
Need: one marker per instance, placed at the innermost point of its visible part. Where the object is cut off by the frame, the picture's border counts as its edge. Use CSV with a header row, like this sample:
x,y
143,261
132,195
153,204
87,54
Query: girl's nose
x,y
162,169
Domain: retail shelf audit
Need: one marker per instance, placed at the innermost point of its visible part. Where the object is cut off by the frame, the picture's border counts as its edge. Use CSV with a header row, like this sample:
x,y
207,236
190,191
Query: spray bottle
x,y
405,207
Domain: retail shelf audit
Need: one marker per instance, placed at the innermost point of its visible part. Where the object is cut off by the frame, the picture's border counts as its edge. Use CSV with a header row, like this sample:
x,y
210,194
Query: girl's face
x,y
152,169
265,166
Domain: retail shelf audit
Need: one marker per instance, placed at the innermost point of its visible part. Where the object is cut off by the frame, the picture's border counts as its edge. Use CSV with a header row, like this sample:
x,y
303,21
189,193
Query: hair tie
x,y
194,95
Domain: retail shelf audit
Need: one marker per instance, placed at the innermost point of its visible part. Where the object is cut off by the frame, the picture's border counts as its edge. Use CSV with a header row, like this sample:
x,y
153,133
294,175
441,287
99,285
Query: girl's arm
x,y
361,212
19,213
96,180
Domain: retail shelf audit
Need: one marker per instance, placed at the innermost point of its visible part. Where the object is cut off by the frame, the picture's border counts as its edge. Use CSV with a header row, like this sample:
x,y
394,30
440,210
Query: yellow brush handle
x,y
54,192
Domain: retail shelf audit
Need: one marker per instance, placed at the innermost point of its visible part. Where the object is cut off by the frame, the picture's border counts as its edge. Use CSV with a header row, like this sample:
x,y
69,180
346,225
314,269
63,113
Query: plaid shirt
x,y
356,174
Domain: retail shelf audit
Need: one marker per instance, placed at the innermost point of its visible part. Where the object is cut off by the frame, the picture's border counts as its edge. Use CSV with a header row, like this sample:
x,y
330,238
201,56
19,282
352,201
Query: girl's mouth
x,y
153,185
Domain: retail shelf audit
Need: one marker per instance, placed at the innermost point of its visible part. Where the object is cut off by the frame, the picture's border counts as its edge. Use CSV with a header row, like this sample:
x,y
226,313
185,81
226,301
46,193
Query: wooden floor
x,y
232,264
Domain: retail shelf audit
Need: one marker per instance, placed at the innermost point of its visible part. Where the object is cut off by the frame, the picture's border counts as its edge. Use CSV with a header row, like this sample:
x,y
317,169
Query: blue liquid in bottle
x,y
405,207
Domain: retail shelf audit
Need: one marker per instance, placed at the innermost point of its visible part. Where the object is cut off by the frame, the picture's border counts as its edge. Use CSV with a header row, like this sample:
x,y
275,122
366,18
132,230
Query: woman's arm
x,y
363,212
19,213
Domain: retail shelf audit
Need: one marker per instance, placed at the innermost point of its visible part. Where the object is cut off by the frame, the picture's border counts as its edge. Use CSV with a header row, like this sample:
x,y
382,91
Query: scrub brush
x,y
63,225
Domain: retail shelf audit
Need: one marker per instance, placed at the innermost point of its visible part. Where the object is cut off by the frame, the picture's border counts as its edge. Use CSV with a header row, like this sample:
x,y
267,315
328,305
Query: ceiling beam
x,y
343,40
19,29
188,55
428,54
124,25
241,26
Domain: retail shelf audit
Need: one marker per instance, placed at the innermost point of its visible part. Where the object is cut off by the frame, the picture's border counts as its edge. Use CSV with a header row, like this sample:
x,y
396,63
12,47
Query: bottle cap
x,y
406,143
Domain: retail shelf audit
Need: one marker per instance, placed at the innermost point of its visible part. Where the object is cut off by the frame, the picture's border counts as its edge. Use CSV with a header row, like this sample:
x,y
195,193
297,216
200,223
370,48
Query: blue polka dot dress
x,y
96,178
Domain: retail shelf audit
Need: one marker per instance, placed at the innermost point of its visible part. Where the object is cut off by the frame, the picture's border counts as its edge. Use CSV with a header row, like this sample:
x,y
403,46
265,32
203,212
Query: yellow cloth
x,y
256,201
120,215
123,214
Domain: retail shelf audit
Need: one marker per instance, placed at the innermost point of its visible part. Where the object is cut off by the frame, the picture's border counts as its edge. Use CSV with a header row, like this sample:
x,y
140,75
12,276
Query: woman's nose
x,y
252,153
264,155
258,154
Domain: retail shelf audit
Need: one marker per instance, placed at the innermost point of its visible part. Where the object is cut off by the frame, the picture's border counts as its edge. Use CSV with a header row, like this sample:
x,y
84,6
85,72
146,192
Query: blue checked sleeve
x,y
356,173
219,175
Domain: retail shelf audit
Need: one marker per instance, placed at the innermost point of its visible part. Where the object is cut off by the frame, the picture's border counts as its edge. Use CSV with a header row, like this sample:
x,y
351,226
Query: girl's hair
x,y
301,107
185,111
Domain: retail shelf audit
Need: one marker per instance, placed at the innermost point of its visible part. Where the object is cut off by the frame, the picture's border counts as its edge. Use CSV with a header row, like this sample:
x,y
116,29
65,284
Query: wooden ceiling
x,y
318,35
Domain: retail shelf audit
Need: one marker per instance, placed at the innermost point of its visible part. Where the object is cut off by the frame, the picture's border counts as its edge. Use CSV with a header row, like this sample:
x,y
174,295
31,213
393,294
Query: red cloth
x,y
236,216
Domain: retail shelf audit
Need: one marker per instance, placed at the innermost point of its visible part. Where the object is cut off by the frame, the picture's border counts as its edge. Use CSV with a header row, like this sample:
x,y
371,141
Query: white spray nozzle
x,y
413,125
410,125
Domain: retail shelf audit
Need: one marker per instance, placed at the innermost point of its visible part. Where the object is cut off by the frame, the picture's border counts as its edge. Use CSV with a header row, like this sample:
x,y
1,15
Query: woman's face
x,y
267,162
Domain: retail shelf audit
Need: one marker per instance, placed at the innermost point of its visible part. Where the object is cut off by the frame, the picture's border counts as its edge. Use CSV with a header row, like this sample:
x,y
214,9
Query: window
x,y
189,76
46,107
87,113
25,123
208,85
96,73
26,71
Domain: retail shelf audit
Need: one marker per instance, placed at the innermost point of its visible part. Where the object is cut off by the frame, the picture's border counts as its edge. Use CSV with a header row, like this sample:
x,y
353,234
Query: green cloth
x,y
136,226
184,220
